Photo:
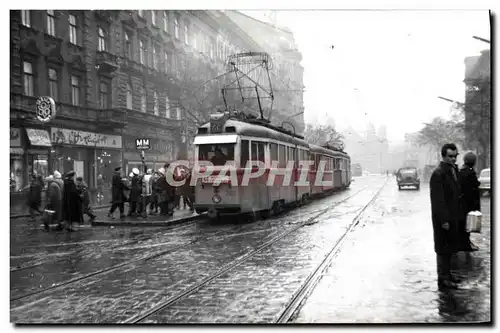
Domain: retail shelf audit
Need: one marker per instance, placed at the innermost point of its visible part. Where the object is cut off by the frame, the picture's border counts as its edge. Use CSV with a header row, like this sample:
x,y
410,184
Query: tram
x,y
229,140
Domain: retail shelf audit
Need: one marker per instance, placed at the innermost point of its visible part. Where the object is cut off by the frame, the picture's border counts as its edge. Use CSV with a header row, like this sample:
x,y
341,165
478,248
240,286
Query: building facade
x,y
478,107
115,76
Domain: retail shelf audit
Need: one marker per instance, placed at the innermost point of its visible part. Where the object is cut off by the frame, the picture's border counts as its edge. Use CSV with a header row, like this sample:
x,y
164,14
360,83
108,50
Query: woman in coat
x,y
54,201
71,200
34,196
469,185
117,194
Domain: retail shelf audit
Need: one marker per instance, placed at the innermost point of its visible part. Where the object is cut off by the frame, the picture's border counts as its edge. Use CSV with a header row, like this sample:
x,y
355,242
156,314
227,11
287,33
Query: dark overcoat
x,y
446,207
117,188
54,200
72,208
469,184
135,189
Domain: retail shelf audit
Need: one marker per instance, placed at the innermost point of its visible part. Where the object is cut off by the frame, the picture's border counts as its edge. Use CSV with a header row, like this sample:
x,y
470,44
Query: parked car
x,y
408,176
484,180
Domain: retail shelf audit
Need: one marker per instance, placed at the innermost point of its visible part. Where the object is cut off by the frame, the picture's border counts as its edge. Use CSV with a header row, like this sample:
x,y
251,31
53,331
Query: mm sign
x,y
142,144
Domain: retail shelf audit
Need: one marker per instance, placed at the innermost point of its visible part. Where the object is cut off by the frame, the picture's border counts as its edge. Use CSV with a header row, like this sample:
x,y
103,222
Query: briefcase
x,y
474,222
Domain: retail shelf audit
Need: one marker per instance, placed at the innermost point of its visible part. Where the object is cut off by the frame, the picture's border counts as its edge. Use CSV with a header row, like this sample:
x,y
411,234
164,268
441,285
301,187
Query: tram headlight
x,y
216,198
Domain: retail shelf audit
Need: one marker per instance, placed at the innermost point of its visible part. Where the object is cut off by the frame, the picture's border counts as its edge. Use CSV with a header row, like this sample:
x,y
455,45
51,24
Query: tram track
x,y
228,267
238,228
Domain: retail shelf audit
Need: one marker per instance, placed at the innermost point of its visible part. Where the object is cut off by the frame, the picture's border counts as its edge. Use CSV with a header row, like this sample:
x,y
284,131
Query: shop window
x,y
106,162
16,173
38,163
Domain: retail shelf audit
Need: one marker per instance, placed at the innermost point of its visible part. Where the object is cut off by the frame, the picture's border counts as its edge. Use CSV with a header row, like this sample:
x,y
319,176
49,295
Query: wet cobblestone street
x,y
386,270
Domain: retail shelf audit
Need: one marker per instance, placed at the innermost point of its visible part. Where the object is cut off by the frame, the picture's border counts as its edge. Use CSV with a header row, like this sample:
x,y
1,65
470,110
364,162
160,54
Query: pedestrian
x,y
471,199
187,192
58,180
34,196
83,192
72,205
153,207
147,191
446,212
117,194
135,192
54,200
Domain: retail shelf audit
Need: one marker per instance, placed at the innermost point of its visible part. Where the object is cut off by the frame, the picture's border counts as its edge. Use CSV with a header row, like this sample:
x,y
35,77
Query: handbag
x,y
473,223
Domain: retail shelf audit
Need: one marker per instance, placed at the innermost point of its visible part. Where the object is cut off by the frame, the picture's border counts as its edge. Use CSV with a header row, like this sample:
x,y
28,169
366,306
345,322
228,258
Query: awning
x,y
215,139
38,137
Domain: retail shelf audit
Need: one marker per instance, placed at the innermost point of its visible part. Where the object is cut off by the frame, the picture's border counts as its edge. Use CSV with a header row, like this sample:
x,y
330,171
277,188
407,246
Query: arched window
x,y
155,104
102,40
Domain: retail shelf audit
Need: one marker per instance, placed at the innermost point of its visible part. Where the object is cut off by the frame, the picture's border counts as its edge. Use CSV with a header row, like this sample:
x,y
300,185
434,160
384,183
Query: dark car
x,y
408,177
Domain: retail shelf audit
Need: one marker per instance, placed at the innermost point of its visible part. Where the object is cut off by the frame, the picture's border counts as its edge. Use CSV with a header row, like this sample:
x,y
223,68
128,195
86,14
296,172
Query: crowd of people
x,y
454,194
147,193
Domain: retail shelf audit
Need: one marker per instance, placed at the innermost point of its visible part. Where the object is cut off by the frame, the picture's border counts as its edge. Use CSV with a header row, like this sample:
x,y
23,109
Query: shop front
x,y
161,152
89,155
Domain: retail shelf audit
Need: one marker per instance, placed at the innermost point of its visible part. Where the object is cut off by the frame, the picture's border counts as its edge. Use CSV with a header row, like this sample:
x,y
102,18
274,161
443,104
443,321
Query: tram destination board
x,y
142,144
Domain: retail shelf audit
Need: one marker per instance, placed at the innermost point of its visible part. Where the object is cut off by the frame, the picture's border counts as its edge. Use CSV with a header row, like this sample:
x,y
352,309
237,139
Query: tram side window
x,y
218,154
261,152
282,156
274,152
244,153
254,151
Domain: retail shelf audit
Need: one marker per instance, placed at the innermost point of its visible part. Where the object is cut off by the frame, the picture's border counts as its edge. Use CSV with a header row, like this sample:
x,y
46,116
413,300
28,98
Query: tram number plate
x,y
213,179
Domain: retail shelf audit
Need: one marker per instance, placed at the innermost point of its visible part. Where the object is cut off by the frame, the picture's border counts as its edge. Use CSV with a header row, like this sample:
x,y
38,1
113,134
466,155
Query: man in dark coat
x,y
135,192
469,185
54,200
446,213
83,192
71,200
117,195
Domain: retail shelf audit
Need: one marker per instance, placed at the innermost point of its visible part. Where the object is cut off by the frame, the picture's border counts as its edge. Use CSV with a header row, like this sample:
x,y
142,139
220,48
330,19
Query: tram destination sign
x,y
142,144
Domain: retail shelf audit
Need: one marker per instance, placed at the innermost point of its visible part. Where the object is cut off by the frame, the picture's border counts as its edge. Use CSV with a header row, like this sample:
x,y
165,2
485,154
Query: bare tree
x,y
324,135
440,131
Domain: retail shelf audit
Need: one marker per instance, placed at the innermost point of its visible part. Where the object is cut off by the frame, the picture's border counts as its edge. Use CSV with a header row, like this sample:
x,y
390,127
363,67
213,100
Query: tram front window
x,y
217,154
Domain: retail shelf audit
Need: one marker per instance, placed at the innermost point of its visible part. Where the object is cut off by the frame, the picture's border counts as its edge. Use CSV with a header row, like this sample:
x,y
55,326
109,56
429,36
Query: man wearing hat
x,y
117,195
71,201
135,192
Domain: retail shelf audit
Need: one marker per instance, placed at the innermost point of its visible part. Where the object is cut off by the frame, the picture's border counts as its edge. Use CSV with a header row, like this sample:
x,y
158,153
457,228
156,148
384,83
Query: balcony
x,y
106,62
113,118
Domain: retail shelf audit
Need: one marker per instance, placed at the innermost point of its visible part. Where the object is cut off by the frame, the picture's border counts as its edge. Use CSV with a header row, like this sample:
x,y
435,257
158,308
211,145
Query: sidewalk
x,y
180,216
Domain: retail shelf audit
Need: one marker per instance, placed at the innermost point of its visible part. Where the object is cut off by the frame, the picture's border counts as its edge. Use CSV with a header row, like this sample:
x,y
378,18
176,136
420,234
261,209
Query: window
x,y
186,34
103,95
179,113
102,40
176,28
73,39
75,90
143,100
156,53
195,43
282,156
28,78
153,17
258,153
165,21
128,46
167,107
166,61
212,50
207,152
53,86
156,108
142,52
274,152
244,153
26,18
51,23
140,12
129,97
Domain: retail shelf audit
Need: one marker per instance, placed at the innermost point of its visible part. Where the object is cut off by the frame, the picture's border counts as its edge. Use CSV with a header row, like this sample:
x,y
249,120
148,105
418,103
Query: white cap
x,y
57,175
131,175
135,171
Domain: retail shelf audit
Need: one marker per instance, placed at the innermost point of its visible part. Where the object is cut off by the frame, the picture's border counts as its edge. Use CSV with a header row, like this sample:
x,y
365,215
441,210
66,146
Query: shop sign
x,y
15,137
81,138
38,137
142,143
156,146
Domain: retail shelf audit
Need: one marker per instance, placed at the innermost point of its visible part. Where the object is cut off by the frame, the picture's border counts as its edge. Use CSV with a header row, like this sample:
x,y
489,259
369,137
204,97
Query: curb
x,y
28,215
151,223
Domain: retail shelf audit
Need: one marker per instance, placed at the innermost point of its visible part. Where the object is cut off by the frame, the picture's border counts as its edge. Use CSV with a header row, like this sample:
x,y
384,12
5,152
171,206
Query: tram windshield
x,y
218,154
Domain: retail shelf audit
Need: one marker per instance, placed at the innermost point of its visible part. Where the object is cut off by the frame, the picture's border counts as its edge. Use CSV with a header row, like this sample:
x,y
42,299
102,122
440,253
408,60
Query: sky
x,y
386,67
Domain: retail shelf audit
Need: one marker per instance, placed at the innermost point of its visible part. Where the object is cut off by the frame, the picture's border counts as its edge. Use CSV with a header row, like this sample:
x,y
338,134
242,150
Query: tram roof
x,y
248,129
326,151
